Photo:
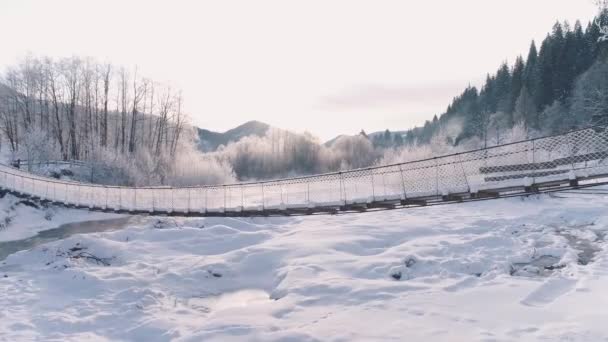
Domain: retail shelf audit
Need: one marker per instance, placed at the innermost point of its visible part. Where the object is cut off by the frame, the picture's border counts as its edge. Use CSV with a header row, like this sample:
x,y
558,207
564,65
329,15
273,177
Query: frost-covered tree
x,y
88,111
590,101
601,20
525,109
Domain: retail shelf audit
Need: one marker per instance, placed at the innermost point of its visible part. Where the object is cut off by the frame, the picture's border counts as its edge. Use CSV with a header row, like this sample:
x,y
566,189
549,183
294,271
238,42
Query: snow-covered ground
x,y
20,219
516,269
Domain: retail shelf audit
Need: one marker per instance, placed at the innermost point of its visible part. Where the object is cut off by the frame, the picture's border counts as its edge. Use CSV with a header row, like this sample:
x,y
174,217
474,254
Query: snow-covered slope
x,y
502,270
20,219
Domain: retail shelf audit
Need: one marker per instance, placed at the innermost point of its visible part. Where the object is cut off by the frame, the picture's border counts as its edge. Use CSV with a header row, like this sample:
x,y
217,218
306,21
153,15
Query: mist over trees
x,y
133,131
559,85
131,128
281,153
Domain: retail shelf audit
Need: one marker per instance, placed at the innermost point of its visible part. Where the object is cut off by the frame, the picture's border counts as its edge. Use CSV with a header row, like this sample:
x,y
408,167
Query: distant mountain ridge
x,y
372,136
209,141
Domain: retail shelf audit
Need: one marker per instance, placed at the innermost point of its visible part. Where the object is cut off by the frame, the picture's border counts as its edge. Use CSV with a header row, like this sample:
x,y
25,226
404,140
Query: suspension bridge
x,y
576,159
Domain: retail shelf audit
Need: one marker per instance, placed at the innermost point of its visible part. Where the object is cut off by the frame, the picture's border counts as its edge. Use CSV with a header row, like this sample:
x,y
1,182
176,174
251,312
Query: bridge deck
x,y
572,160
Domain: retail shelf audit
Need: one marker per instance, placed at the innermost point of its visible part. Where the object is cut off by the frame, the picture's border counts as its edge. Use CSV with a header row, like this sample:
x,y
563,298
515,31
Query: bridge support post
x,y
373,187
206,204
464,174
224,211
436,176
263,198
308,193
534,160
402,182
342,189
242,198
172,202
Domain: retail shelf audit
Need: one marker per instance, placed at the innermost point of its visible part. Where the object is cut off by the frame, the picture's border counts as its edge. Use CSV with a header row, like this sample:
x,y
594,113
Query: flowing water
x,y
66,230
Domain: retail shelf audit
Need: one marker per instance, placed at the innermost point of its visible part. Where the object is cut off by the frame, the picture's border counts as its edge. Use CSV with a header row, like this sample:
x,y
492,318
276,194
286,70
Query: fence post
x,y
402,182
263,199
373,186
224,186
242,198
436,176
534,160
571,147
206,205
572,178
464,174
172,201
308,192
188,209
342,188
383,173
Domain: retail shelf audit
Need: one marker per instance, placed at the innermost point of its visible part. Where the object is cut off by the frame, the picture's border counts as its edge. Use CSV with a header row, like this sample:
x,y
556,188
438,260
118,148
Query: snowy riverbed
x,y
511,269
20,218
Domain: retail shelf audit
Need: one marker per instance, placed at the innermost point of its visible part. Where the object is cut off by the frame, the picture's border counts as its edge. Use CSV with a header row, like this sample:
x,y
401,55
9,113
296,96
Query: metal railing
x,y
572,156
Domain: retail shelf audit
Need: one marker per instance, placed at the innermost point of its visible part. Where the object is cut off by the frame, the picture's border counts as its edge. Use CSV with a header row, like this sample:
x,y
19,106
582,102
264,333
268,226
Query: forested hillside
x,y
209,141
559,85
131,129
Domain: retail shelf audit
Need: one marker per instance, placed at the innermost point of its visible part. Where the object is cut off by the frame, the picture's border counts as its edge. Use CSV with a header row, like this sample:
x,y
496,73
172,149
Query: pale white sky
x,y
329,67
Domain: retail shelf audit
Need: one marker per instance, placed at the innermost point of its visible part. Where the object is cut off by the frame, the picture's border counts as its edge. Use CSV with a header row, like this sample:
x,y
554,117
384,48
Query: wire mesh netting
x,y
575,155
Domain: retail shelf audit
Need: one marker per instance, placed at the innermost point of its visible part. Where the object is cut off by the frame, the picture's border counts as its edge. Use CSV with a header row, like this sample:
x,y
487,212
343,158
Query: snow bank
x,y
20,219
497,270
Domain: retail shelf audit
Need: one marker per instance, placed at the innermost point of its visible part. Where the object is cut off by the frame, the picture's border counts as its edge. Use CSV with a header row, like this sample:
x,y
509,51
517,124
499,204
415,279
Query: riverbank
x,y
509,269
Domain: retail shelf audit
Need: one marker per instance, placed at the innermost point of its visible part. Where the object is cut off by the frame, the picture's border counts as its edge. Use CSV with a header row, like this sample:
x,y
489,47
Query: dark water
x,y
66,230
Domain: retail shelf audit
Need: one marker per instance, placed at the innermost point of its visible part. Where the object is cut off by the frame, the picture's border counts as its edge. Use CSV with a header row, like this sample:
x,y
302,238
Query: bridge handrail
x,y
336,173
577,153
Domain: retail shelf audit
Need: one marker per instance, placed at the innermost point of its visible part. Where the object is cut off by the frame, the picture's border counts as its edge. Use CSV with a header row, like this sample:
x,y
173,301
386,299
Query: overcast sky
x,y
328,67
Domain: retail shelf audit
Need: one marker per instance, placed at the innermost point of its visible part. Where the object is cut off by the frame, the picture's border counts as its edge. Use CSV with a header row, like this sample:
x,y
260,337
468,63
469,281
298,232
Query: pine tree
x,y
398,140
539,92
388,138
543,87
531,72
517,83
559,63
584,58
502,90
